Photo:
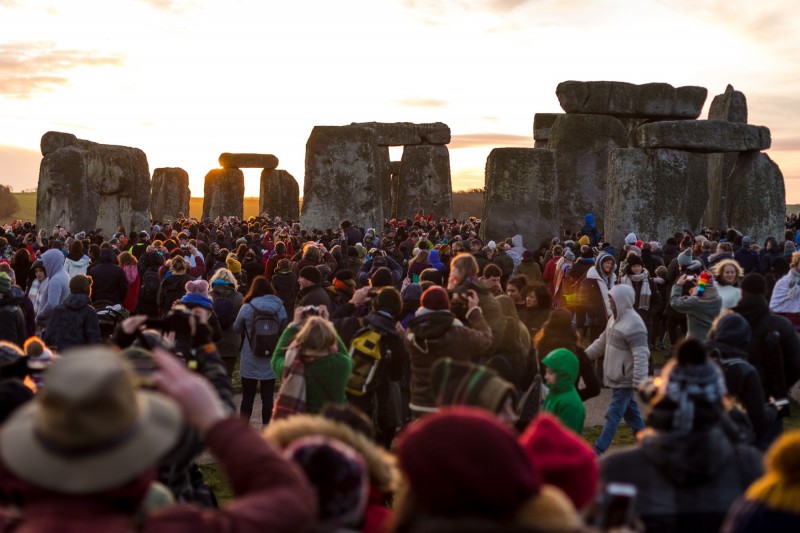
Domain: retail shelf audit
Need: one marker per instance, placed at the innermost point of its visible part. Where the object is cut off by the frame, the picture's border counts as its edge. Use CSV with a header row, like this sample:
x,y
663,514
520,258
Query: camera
x,y
176,320
311,310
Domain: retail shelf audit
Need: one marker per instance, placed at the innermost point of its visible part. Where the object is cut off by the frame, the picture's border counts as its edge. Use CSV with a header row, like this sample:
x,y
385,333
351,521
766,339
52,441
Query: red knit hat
x,y
563,459
435,299
462,460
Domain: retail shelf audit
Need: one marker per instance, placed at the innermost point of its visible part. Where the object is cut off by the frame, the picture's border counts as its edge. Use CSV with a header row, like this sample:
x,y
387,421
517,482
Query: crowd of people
x,y
411,378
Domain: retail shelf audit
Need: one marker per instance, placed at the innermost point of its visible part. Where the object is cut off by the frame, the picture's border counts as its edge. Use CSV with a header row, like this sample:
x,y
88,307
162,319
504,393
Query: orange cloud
x,y
479,140
20,167
27,68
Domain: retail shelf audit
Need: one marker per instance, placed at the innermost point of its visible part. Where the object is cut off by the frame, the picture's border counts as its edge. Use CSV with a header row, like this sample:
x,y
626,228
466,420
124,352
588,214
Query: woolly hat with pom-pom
x,y
197,294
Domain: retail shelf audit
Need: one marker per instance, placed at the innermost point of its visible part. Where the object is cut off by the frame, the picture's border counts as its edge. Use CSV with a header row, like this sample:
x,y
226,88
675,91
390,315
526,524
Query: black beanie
x,y
381,277
311,274
389,301
754,283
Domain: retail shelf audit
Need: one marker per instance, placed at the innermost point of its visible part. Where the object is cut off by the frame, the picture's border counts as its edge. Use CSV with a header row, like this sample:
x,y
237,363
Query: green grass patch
x,y
27,208
216,479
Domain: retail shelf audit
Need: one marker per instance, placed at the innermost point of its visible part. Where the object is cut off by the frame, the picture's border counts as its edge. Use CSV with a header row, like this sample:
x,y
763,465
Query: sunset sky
x,y
185,80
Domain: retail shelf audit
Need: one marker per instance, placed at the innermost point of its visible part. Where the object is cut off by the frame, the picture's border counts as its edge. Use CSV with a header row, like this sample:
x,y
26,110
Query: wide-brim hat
x,y
89,430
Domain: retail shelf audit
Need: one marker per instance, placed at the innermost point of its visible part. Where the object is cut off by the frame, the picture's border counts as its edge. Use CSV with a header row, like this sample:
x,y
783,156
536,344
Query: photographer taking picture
x,y
311,364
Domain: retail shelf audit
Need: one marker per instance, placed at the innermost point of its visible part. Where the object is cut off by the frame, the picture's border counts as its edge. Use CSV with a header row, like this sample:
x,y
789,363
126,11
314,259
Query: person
x,y
227,301
22,263
173,286
687,469
311,291
594,309
255,369
312,364
514,289
454,483
74,322
785,299
121,443
774,348
727,345
108,279
493,277
76,261
435,333
701,306
771,503
648,300
561,372
550,270
537,306
12,321
284,281
559,332
624,345
419,263
728,274
130,267
746,256
589,229
35,282
54,288
528,267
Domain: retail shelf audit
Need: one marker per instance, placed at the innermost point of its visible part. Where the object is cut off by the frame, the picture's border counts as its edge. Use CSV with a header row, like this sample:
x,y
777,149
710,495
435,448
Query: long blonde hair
x,y
316,335
225,275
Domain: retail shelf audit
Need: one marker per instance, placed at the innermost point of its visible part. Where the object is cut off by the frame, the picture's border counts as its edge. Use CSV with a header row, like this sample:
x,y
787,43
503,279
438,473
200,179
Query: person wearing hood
x,y
54,289
108,279
595,308
76,261
256,370
687,469
771,251
562,399
435,333
727,345
173,286
624,345
701,307
436,262
74,322
589,229
227,301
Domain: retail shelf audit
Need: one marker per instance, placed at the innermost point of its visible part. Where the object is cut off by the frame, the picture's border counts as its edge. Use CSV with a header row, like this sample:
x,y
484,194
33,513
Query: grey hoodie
x,y
624,343
55,286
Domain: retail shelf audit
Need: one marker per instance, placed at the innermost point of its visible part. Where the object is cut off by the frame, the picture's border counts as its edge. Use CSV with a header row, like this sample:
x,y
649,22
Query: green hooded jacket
x,y
563,399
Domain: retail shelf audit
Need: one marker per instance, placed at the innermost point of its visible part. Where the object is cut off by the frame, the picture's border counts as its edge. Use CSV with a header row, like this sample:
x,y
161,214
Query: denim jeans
x,y
623,405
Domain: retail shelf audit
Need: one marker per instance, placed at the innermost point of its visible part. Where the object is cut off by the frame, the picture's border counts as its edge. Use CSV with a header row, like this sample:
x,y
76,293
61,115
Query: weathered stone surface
x,y
228,160
542,122
406,133
730,105
582,143
394,167
425,182
706,136
170,196
756,199
650,100
280,194
342,178
223,193
522,195
654,193
85,185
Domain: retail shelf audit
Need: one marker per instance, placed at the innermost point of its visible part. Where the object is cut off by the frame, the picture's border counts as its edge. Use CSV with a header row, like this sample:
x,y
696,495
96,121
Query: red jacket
x,y
272,495
549,274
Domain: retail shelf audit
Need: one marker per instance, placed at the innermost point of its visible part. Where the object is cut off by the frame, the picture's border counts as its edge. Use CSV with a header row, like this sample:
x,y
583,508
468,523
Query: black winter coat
x,y
12,322
108,279
315,295
172,289
73,323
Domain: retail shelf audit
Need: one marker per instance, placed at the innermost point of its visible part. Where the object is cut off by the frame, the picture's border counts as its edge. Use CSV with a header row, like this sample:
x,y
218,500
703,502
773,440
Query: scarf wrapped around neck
x,y
292,396
644,294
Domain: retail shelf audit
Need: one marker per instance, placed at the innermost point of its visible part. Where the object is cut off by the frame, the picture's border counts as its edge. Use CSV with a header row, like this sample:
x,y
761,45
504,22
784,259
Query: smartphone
x,y
780,404
617,506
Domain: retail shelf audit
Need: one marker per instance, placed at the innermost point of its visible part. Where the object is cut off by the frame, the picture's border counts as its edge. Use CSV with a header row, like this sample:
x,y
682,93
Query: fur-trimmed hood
x,y
382,465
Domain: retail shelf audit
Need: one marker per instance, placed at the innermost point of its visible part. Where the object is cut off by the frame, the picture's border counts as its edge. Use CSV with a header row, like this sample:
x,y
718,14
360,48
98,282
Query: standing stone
x,y
756,200
730,106
342,178
521,196
223,193
405,133
85,185
651,100
394,169
654,193
385,179
280,194
542,122
425,182
228,160
703,136
170,196
582,143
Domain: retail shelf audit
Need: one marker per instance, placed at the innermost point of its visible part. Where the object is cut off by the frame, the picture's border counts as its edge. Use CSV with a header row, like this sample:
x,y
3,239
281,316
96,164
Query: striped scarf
x,y
644,294
292,395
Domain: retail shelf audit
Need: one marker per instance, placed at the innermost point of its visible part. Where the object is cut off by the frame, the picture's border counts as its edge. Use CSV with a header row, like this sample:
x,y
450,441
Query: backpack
x,y
223,308
148,293
366,353
266,332
108,317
